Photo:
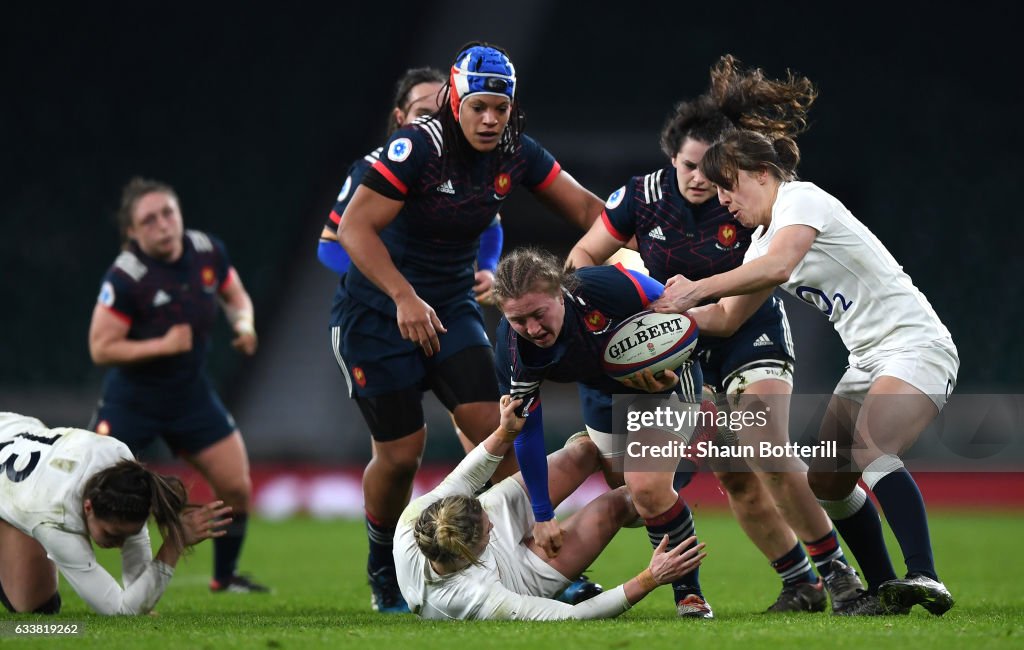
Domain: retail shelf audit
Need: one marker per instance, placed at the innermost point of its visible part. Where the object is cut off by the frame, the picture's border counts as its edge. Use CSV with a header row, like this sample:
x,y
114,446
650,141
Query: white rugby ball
x,y
649,341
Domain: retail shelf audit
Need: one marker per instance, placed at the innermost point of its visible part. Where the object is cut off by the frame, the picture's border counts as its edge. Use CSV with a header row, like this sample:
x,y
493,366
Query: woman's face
x,y
422,100
694,187
106,533
483,119
751,198
157,226
536,316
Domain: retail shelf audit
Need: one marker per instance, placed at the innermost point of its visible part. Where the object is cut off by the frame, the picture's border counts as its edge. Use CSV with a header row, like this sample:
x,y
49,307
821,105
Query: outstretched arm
x,y
568,198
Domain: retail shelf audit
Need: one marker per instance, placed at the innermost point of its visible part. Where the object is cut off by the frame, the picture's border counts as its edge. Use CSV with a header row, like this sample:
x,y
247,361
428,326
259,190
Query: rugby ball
x,y
649,341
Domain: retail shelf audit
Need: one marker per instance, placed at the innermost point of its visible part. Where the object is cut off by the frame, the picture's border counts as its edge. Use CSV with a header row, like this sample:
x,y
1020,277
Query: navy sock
x,y
381,536
226,549
794,567
862,532
904,510
677,523
824,550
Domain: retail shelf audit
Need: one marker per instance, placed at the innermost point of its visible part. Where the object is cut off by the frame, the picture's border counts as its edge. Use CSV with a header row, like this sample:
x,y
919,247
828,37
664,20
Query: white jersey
x,y
850,276
500,588
42,473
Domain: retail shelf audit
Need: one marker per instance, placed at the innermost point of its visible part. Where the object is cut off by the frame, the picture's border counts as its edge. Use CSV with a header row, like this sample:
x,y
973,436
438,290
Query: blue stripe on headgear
x,y
481,70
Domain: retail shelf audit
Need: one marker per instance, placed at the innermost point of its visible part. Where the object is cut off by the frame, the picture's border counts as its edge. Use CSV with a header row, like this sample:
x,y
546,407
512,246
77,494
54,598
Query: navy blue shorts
x,y
376,360
189,421
765,336
597,404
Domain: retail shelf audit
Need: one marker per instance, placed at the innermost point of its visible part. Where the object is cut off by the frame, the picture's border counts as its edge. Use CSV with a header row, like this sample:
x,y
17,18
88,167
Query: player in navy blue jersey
x,y
417,94
152,324
406,315
681,228
555,328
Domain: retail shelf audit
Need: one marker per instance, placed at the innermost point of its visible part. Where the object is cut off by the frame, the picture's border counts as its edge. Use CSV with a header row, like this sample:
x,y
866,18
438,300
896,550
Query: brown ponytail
x,y
129,492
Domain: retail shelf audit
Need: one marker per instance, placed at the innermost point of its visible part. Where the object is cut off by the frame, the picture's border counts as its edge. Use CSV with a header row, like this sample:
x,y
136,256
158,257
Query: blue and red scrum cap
x,y
481,70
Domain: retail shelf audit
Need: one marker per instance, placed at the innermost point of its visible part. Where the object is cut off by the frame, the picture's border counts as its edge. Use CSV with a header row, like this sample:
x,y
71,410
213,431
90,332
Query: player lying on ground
x,y
64,489
459,557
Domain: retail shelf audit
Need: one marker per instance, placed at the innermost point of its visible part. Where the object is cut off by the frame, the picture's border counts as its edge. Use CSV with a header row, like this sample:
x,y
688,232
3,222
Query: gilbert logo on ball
x,y
649,341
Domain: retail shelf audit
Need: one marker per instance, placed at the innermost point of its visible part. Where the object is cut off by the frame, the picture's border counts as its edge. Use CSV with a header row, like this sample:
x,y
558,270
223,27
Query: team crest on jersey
x,y
209,278
345,189
616,198
595,321
726,236
103,428
502,184
106,297
359,376
400,149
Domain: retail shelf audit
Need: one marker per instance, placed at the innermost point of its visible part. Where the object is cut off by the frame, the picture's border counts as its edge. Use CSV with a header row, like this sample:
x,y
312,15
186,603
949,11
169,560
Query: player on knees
x,y
461,557
65,489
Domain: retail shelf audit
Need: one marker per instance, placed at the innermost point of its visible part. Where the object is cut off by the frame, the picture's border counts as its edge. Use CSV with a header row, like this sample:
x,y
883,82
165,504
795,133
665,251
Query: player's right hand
x,y
205,522
548,535
511,424
418,322
178,339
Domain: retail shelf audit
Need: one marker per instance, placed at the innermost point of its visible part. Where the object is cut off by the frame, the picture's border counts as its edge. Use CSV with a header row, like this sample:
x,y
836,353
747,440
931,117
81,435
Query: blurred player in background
x,y
681,228
903,362
555,327
65,489
152,324
407,320
460,557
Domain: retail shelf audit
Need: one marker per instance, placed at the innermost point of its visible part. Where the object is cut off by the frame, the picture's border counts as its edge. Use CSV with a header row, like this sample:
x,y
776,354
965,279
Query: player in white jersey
x,y
459,557
63,489
903,362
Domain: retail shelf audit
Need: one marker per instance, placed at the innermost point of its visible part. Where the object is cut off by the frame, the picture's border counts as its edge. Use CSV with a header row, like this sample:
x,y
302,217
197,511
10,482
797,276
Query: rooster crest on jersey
x,y
649,341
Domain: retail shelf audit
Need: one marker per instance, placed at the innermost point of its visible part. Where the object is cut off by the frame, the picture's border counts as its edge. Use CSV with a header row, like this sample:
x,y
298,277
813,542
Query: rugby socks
x,y
226,549
901,501
858,523
824,550
677,523
794,567
381,536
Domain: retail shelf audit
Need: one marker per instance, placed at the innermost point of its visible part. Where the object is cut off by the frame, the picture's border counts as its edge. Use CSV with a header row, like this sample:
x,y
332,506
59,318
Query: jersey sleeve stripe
x,y
382,169
611,229
550,178
228,281
335,218
121,316
639,290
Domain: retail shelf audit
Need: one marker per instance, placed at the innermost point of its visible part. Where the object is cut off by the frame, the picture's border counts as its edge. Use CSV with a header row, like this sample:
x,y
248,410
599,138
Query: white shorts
x,y
930,369
508,506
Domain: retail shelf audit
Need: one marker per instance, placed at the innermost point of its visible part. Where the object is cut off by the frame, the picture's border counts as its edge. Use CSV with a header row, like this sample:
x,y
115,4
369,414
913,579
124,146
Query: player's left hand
x,y
680,294
246,343
511,424
483,287
205,522
649,382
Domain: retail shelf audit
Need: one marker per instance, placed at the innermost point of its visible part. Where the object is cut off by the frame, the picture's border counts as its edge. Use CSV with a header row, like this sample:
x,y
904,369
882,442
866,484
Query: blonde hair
x,y
449,529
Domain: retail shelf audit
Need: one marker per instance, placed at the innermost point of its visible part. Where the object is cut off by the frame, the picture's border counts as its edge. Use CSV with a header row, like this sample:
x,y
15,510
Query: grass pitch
x,y
321,600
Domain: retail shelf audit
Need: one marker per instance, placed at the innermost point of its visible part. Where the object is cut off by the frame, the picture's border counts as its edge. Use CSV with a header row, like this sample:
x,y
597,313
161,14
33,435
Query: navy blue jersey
x,y
151,296
434,239
673,235
606,295
352,181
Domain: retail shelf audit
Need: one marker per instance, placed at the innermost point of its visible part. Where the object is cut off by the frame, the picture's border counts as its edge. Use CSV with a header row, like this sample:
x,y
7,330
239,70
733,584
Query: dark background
x,y
254,116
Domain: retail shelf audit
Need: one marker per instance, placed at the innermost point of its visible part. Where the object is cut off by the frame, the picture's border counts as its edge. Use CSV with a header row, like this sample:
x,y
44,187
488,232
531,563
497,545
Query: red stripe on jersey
x,y
335,218
124,318
391,178
550,178
611,229
232,274
639,289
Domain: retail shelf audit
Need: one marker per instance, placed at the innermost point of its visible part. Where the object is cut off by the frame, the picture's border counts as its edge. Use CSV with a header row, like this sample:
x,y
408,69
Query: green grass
x,y
321,600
